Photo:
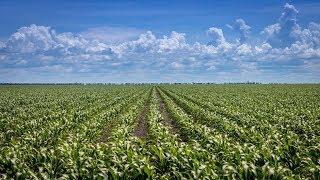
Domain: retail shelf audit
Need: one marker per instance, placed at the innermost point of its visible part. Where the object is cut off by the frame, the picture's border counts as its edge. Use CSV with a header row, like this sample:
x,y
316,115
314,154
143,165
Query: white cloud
x,y
280,34
43,39
175,41
69,40
145,42
211,68
288,40
217,36
2,44
211,65
241,26
31,39
218,40
109,34
177,65
310,35
263,48
41,47
243,50
271,30
289,15
149,43
249,67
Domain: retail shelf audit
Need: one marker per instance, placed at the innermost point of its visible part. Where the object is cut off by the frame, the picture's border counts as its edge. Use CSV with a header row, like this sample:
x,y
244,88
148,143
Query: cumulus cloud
x,y
109,34
241,26
149,43
289,16
175,41
43,39
271,30
218,40
69,41
309,35
145,42
2,44
217,36
289,40
280,34
90,51
31,39
243,50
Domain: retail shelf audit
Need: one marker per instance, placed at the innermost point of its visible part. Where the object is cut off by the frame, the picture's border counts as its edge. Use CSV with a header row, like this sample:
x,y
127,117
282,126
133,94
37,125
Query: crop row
x,y
160,132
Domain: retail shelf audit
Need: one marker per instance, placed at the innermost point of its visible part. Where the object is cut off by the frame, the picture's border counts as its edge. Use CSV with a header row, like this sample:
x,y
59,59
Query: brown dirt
x,y
106,133
173,126
141,129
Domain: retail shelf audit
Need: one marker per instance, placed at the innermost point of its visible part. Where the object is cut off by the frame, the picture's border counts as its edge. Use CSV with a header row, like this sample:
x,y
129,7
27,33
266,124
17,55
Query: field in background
x,y
160,131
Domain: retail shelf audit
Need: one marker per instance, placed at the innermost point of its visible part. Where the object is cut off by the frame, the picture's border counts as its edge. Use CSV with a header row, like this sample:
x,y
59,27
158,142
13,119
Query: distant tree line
x,y
247,82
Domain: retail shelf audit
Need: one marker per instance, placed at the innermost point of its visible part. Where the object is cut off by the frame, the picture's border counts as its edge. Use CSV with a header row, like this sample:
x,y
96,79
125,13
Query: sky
x,y
143,41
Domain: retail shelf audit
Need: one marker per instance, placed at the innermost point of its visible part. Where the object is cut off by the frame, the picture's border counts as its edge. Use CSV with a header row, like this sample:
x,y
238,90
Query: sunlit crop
x,y
160,132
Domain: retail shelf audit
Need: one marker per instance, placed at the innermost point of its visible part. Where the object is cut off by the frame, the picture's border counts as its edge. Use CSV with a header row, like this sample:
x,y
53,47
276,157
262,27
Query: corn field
x,y
160,131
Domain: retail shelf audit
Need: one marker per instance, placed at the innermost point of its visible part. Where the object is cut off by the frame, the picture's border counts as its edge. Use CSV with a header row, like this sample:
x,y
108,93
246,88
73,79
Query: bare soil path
x,y
106,133
141,129
173,126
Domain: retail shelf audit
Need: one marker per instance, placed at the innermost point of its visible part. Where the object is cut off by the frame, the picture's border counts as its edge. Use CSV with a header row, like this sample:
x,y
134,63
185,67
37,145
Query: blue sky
x,y
159,41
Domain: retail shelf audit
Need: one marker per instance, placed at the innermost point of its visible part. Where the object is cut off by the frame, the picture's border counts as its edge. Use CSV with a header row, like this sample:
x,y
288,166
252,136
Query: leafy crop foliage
x,y
192,132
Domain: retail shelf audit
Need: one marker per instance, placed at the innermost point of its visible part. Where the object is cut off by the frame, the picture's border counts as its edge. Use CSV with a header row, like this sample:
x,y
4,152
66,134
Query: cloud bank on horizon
x,y
282,52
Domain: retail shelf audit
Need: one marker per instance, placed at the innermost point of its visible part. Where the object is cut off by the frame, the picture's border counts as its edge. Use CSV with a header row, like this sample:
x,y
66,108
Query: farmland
x,y
160,131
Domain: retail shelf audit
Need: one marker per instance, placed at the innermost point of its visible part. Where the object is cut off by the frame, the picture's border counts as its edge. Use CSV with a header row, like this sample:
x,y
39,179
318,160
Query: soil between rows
x,y
141,129
106,133
173,126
